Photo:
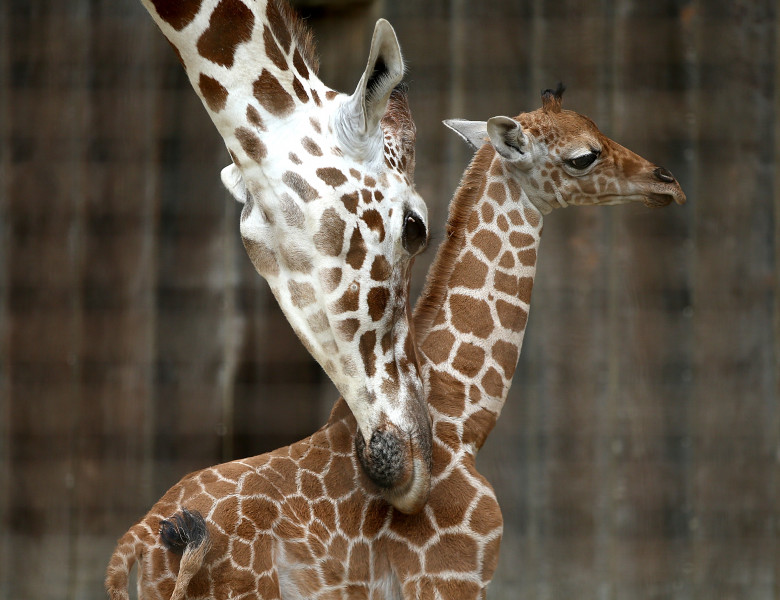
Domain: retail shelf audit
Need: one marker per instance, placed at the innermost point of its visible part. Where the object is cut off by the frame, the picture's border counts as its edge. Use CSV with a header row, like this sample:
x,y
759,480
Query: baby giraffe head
x,y
559,157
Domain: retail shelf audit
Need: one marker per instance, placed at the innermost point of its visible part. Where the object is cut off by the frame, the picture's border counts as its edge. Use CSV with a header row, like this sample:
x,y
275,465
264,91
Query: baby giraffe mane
x,y
469,191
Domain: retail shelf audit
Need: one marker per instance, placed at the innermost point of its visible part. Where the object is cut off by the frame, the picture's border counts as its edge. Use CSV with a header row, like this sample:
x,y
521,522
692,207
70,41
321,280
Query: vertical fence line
x,y
691,32
775,473
5,362
606,553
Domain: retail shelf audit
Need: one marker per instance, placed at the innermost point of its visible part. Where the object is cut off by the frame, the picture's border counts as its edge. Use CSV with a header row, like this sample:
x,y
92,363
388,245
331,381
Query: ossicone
x,y
551,99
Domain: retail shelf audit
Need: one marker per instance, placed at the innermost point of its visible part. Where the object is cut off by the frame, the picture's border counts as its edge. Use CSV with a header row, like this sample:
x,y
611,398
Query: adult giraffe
x,y
331,217
303,521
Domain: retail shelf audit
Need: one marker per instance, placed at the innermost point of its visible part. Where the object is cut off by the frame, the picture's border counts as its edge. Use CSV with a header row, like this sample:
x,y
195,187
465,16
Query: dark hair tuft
x,y
187,528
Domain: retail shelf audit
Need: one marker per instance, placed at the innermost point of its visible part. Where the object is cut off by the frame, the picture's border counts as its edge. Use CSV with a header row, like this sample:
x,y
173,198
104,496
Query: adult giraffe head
x,y
331,217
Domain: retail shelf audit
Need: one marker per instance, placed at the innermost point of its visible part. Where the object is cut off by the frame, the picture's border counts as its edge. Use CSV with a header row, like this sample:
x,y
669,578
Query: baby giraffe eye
x,y
583,161
414,235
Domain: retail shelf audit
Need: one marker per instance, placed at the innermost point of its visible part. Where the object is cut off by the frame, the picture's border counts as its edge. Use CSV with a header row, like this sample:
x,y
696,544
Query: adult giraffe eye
x,y
414,234
583,161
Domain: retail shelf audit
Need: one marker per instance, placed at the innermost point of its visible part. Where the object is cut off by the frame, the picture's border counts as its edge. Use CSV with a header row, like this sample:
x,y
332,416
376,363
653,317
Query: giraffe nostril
x,y
664,175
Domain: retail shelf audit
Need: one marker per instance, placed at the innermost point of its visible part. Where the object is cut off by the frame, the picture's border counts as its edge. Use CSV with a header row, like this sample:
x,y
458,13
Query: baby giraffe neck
x,y
473,312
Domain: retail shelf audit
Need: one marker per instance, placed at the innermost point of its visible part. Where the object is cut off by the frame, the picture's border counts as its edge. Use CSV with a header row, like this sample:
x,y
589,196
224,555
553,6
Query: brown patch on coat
x,y
177,13
251,144
213,92
487,213
279,25
447,394
452,552
329,239
488,242
493,383
468,359
254,118
415,529
311,146
377,302
348,328
300,65
350,201
318,323
293,215
300,186
359,566
511,317
449,498
271,95
469,272
272,50
350,514
301,294
471,315
295,258
381,269
373,219
521,240
367,347
486,517
332,176
299,90
262,257
514,189
349,301
478,426
527,257
507,260
505,354
330,278
230,25
357,250
525,287
516,217
497,192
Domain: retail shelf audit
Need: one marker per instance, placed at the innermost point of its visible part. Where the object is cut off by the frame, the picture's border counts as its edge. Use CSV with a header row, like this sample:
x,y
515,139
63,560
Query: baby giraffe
x,y
304,521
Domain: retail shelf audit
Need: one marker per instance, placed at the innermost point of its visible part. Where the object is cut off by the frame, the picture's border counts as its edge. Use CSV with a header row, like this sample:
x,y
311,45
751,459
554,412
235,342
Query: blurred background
x,y
638,456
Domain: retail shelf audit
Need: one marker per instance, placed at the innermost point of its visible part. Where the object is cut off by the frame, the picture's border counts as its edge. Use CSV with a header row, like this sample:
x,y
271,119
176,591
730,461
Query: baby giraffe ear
x,y
234,182
508,138
473,132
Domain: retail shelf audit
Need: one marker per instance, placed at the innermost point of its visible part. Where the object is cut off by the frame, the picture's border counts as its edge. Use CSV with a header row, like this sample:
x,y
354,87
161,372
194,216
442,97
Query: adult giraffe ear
x,y
357,121
474,133
508,138
234,182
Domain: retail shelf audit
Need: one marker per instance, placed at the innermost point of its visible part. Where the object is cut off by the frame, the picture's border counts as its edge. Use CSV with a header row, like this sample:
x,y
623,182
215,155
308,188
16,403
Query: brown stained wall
x,y
637,456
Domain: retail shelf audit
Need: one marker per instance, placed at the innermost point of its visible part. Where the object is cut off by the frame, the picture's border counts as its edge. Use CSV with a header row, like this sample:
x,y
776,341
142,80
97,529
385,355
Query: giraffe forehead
x,y
565,130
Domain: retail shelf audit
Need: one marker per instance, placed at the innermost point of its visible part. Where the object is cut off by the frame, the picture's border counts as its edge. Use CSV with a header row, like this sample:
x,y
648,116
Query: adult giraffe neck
x,y
472,315
241,56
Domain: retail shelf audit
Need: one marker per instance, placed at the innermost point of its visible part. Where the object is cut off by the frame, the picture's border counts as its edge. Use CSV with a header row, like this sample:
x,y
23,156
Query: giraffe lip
x,y
658,199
